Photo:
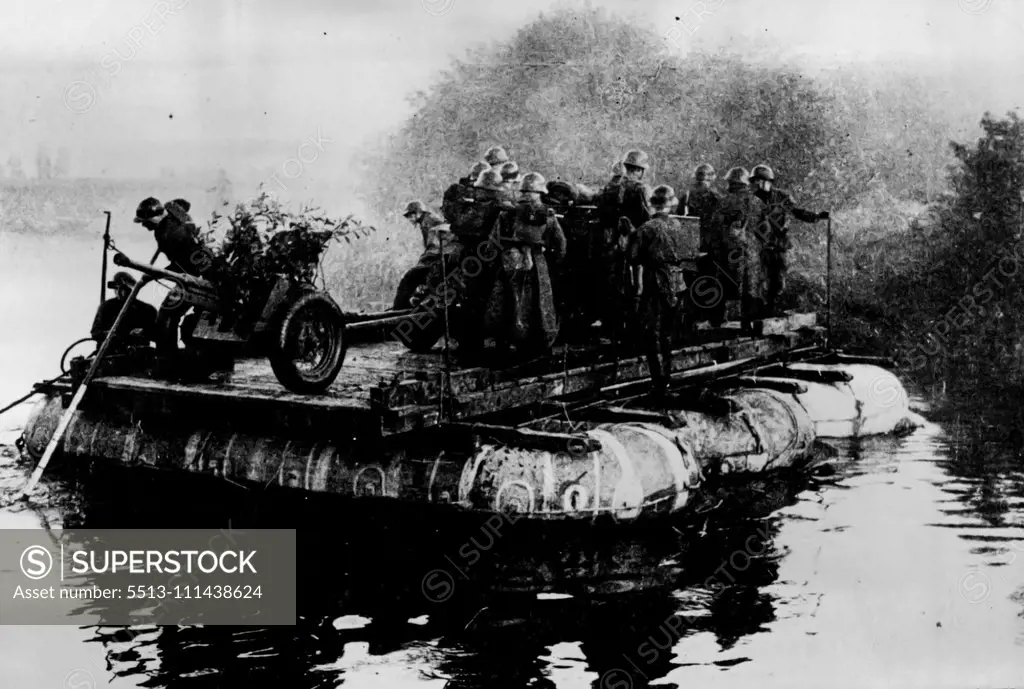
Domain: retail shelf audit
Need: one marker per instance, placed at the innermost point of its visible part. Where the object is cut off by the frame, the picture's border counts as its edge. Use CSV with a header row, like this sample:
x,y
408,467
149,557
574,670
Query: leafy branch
x,y
264,240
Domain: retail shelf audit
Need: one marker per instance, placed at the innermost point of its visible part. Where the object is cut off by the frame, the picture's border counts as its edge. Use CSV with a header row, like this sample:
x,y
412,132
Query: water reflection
x,y
908,558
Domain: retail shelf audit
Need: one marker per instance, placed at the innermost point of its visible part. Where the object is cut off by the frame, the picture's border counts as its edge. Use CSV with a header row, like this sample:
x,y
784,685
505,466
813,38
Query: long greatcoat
x,y
521,308
738,259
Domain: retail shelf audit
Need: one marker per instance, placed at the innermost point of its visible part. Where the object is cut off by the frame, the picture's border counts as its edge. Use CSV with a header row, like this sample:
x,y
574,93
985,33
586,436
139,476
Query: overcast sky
x,y
129,85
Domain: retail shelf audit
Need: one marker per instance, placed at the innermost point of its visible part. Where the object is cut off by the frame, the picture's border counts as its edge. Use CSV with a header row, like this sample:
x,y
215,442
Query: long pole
x,y
447,355
828,281
65,420
103,272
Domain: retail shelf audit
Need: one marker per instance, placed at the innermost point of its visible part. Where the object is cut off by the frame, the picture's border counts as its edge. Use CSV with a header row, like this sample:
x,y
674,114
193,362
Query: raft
x,y
391,430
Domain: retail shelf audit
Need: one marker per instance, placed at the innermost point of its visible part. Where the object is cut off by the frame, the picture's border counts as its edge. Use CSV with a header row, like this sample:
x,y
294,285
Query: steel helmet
x,y
510,171
496,155
148,209
704,172
618,169
762,172
122,279
664,196
414,208
738,175
474,172
636,159
535,182
489,179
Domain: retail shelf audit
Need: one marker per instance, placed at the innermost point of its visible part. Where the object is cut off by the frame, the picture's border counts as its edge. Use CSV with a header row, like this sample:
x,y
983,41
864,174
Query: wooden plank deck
x,y
383,389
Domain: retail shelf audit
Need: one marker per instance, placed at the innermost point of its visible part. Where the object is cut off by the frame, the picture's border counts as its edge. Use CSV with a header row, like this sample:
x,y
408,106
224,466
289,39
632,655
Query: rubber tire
x,y
416,276
281,362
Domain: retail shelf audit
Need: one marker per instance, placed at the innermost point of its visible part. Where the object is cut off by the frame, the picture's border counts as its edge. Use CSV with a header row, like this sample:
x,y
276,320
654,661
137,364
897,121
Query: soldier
x,y
137,327
775,241
428,222
510,178
177,238
415,213
656,252
734,224
496,156
418,279
622,205
522,306
474,231
701,199
460,193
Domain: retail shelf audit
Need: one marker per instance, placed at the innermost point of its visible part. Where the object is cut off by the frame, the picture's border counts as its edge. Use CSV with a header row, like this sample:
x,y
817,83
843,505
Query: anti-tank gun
x,y
299,328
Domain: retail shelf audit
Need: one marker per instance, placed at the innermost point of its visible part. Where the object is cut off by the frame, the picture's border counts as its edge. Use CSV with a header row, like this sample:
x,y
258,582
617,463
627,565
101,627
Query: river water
x,y
901,566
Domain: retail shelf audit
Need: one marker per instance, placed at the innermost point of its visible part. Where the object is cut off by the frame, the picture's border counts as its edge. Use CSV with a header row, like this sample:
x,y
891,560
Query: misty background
x,y
192,86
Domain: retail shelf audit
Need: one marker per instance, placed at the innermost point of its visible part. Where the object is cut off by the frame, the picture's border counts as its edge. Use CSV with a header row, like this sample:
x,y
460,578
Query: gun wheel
x,y
310,347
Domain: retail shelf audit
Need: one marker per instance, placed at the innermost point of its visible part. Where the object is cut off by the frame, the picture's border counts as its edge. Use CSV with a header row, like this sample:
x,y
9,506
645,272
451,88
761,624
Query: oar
x,y
65,420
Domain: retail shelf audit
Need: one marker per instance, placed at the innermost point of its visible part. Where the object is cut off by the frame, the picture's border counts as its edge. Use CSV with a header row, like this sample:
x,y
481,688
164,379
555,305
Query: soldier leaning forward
x,y
657,251
738,260
626,198
521,310
775,242
425,276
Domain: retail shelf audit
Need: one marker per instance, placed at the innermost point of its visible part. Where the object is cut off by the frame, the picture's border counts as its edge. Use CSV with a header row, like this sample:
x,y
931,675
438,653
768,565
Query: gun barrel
x,y
160,273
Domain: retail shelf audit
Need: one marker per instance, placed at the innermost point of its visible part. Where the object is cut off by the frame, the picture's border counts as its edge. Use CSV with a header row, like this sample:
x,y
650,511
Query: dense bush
x,y
574,89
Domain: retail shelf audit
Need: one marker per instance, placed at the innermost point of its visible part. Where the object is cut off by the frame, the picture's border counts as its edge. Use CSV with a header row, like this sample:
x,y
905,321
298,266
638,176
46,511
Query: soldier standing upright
x,y
521,310
622,206
737,259
775,243
474,233
701,201
656,252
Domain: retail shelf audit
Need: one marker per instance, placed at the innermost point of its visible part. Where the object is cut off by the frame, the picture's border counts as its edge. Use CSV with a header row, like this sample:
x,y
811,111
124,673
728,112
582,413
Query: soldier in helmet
x,y
426,221
417,280
735,224
496,156
511,179
474,232
521,311
622,205
778,206
656,251
701,201
139,323
461,193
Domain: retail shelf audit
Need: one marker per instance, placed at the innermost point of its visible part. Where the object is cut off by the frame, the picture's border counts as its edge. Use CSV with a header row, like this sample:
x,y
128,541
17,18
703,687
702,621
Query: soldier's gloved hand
x,y
823,215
